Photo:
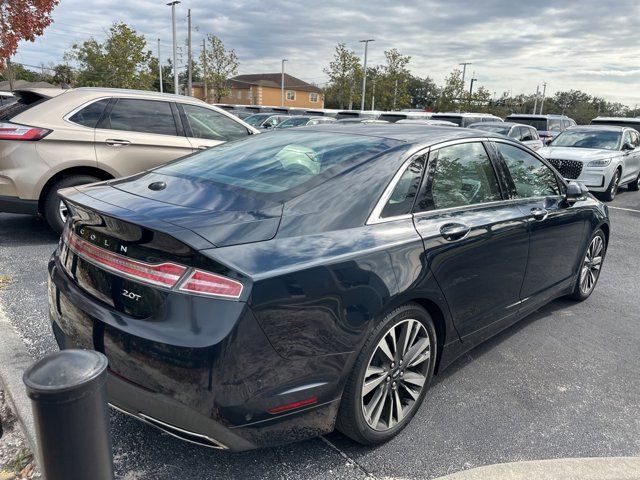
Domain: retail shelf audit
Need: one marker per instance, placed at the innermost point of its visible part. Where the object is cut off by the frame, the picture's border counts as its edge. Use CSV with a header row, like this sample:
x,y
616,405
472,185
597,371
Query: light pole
x,y
159,66
535,104
173,24
364,71
464,71
282,84
544,91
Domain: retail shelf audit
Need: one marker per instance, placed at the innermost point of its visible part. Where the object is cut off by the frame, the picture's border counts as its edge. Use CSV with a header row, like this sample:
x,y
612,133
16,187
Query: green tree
x,y
423,92
345,78
219,64
449,96
63,75
121,61
393,84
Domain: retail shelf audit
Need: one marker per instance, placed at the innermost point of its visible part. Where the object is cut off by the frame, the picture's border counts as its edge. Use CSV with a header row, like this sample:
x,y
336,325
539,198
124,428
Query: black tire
x,y
634,186
351,419
612,190
51,204
579,294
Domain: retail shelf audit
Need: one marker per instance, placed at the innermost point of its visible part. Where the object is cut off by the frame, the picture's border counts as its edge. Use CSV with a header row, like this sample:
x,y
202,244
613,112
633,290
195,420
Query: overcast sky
x,y
514,45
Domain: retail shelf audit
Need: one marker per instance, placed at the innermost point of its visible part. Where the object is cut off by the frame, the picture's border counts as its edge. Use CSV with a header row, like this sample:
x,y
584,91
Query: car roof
x,y
464,114
531,115
616,128
142,93
618,119
413,134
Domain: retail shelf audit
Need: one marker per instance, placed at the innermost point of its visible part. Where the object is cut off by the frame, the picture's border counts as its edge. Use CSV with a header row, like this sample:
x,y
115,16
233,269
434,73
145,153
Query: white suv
x,y
600,157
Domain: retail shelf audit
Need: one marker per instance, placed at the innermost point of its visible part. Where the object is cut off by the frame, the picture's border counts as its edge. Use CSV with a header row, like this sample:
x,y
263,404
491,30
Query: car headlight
x,y
599,163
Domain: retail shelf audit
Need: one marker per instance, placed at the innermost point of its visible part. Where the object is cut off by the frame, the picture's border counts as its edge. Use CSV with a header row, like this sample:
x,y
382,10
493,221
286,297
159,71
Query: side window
x,y
531,177
626,138
401,200
147,116
516,132
534,133
526,134
212,125
462,175
554,125
90,115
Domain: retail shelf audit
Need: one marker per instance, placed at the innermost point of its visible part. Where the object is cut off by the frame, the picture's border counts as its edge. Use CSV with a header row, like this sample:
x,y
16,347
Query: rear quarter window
x,y
90,115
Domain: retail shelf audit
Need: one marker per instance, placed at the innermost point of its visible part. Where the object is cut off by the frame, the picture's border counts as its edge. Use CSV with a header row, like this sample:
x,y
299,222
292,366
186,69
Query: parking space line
x,y
626,209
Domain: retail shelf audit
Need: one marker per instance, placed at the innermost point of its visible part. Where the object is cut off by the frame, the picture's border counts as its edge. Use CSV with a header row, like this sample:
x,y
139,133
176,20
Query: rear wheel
x,y
634,186
590,267
611,192
390,377
54,209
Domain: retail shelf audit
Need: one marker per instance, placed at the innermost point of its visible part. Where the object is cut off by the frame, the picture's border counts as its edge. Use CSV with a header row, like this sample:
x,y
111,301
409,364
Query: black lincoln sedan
x,y
271,289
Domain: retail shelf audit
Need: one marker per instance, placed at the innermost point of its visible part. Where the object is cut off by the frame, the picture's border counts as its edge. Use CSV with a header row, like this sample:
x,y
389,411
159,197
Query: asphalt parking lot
x,y
562,383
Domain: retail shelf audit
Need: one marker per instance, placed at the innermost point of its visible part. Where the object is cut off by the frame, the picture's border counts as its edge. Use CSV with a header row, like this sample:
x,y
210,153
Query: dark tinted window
x,y
212,125
539,124
531,177
463,175
89,115
405,191
618,123
278,162
148,116
457,119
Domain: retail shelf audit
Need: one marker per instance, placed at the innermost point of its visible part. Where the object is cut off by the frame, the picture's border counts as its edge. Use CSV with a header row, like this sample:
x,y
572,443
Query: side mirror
x,y
628,147
575,192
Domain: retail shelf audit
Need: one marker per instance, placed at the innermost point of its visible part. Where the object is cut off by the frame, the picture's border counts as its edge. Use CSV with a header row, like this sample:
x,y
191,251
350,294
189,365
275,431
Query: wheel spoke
x,y
411,392
420,358
378,411
369,386
385,348
394,343
417,350
370,409
414,378
404,337
398,405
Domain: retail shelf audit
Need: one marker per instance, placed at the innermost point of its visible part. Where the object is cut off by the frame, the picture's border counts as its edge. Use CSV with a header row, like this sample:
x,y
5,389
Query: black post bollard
x,y
68,396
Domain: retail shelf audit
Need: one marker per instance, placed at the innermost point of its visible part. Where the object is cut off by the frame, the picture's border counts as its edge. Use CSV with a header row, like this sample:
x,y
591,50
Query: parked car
x,y
523,133
303,120
417,121
600,157
368,114
6,98
265,120
322,112
465,119
396,116
633,122
354,120
269,289
548,126
52,138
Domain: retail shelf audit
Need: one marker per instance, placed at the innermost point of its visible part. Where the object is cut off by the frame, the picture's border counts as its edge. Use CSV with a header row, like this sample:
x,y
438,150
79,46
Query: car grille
x,y
567,168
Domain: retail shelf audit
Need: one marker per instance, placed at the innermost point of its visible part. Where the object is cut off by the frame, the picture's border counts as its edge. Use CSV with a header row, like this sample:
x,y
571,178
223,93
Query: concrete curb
x,y
14,360
613,468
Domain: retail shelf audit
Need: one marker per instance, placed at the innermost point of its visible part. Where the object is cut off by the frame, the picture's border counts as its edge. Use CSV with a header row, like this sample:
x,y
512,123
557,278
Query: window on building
x,y
313,97
291,95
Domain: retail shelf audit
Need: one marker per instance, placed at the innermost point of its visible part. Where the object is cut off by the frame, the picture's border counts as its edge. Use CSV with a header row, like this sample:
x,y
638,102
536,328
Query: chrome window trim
x,y
77,109
375,218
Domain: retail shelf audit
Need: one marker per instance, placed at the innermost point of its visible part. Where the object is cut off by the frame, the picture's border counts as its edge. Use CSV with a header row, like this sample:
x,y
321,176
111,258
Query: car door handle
x,y
114,142
454,231
539,213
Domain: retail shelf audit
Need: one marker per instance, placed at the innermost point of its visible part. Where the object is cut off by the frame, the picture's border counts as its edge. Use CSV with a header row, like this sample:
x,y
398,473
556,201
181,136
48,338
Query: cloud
x,y
588,45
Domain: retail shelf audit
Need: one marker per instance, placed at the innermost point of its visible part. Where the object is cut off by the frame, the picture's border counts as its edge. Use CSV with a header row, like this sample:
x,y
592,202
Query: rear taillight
x,y
206,283
14,131
165,274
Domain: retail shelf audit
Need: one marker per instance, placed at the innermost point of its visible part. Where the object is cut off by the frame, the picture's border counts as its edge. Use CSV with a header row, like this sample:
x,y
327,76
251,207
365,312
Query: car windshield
x,y
278,162
601,139
294,122
256,120
504,130
539,123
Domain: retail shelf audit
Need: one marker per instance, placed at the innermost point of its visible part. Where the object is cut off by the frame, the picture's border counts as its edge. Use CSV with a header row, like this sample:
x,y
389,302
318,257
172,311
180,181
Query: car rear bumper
x,y
219,396
17,205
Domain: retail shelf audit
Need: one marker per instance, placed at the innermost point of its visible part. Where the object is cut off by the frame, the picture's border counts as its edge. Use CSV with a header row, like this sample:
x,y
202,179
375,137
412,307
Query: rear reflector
x,y
206,283
292,406
162,274
13,131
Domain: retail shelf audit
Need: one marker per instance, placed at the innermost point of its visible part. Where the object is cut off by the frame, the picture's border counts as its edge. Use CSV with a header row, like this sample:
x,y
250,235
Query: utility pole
x,y
159,66
364,71
544,91
471,87
395,94
373,95
464,72
175,61
10,75
189,59
282,84
535,104
204,69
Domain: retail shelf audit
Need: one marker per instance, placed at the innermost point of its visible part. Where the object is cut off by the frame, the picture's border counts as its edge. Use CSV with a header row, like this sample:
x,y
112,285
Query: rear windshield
x,y
257,119
635,125
293,122
493,128
449,118
26,100
278,162
540,124
603,139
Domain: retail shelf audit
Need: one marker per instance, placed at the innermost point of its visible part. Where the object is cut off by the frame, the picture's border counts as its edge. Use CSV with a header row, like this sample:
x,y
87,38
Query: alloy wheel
x,y
591,265
396,374
63,211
